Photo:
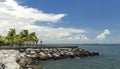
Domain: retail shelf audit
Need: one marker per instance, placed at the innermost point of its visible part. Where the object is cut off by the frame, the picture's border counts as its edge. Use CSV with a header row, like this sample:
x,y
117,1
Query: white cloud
x,y
103,35
26,13
20,17
79,37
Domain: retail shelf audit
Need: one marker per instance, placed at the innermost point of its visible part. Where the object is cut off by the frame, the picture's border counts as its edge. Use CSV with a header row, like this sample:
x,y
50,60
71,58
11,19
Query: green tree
x,y
2,40
17,39
33,38
10,38
24,35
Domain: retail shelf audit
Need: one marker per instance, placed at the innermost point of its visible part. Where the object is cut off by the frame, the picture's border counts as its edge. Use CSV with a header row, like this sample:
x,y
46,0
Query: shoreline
x,y
26,58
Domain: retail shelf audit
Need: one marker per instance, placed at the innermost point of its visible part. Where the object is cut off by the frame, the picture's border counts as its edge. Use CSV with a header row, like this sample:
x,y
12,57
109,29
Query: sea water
x,y
109,59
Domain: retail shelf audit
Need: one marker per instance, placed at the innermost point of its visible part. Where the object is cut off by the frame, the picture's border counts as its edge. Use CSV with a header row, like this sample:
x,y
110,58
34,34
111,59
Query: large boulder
x,y
49,55
9,58
56,55
10,63
42,56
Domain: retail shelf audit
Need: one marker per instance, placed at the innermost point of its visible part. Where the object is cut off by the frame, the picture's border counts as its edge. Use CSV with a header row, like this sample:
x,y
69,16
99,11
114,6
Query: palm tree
x,y
2,40
33,37
11,36
24,35
17,39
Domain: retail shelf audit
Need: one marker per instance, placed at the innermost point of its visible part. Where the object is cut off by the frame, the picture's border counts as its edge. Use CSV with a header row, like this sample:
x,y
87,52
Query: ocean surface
x,y
109,59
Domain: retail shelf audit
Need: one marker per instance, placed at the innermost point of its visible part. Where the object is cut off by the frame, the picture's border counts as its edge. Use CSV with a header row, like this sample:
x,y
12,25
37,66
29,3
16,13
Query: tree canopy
x,y
24,37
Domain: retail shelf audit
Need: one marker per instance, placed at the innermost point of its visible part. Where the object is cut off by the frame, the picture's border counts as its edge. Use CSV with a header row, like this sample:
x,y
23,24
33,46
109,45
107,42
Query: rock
x,y
56,56
2,66
57,53
49,55
12,66
32,52
37,50
80,50
10,61
21,50
24,60
94,54
32,56
33,67
13,59
42,56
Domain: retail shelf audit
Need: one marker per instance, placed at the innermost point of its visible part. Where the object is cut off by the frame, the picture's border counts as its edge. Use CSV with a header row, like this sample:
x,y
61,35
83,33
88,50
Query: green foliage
x,y
23,37
10,38
2,40
33,37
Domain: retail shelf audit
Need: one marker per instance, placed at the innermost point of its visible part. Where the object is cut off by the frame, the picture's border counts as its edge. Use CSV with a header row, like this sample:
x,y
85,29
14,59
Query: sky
x,y
64,21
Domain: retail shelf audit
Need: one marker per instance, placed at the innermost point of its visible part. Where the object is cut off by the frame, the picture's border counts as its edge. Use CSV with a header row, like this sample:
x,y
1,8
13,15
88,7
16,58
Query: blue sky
x,y
92,16
86,14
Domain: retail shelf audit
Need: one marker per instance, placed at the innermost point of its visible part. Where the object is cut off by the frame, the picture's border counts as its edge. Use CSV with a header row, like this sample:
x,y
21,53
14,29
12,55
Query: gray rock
x,y
42,56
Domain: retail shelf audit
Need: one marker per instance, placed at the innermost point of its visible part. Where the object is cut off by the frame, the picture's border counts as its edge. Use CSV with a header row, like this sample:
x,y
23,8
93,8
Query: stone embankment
x,y
58,53
15,59
9,58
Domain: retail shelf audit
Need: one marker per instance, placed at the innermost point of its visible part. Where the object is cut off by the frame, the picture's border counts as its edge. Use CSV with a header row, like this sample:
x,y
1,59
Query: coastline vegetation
x,y
24,37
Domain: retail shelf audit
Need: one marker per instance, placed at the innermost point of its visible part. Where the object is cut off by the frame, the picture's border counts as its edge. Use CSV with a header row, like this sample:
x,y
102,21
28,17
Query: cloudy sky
x,y
63,21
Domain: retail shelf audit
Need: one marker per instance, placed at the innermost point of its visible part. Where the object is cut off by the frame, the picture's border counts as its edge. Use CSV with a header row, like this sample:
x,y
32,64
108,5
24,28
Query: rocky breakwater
x,y
17,59
13,59
9,58
58,53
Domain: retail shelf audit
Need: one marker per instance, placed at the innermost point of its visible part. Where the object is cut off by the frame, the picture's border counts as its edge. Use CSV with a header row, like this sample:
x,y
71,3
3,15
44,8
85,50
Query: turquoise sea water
x,y
109,59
